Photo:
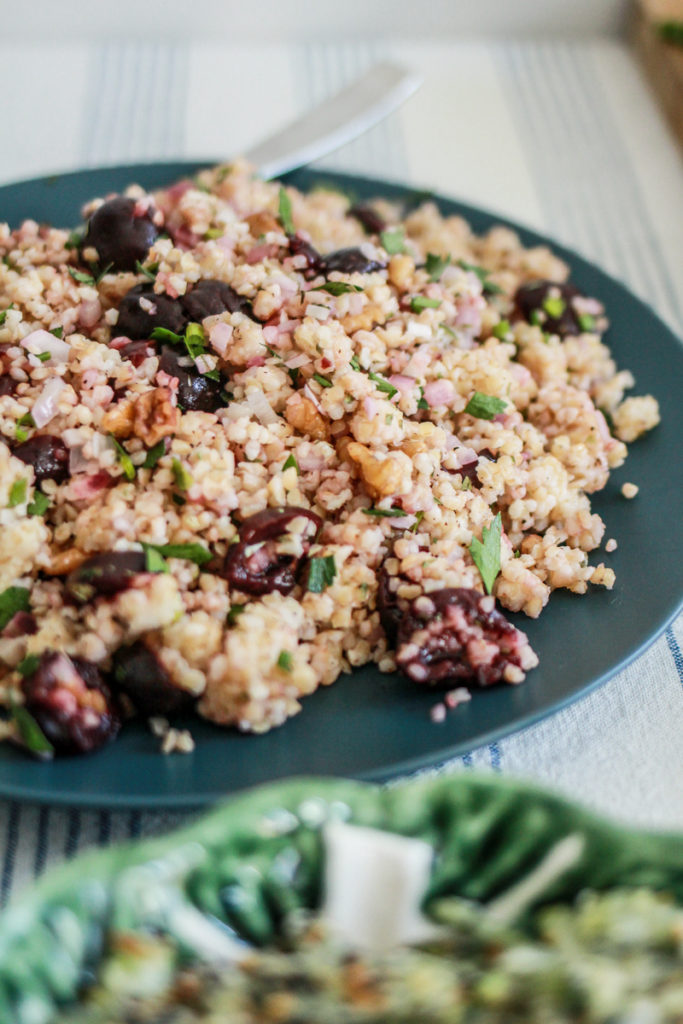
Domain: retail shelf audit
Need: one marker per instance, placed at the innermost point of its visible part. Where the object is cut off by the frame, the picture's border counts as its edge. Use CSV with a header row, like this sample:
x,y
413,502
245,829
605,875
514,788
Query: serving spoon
x,y
335,121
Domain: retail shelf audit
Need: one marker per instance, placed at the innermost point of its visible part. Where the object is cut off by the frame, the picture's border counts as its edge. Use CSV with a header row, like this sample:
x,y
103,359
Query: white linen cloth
x,y
561,135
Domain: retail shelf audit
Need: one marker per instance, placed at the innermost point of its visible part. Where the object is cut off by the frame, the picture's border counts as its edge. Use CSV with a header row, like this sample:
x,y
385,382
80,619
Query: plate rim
x,y
404,768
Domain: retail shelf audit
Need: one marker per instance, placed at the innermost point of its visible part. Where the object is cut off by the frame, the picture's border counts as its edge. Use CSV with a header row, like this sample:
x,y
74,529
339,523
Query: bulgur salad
x,y
252,438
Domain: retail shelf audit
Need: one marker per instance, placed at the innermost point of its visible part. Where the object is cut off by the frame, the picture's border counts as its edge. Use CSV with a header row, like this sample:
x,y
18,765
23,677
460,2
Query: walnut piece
x,y
382,477
301,414
261,223
154,416
401,270
65,562
370,316
118,419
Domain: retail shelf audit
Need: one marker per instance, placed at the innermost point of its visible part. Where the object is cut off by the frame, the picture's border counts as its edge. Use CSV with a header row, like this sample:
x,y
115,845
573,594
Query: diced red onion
x,y
90,312
439,392
261,407
294,362
370,406
220,337
41,341
45,406
310,395
78,463
404,384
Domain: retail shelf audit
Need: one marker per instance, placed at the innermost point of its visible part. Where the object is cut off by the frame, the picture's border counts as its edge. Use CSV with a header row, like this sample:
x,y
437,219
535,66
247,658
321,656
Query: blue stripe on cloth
x,y
11,844
42,841
496,758
672,644
73,833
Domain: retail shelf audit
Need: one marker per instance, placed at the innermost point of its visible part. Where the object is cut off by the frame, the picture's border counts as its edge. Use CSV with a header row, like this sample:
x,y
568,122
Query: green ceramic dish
x,y
487,834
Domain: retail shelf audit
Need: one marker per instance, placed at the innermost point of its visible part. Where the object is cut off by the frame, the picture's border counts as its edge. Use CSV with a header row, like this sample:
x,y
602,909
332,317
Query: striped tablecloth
x,y
561,135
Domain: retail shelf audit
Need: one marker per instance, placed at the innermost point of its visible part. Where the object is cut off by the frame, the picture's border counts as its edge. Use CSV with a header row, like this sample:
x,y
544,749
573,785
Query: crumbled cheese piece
x,y
629,490
611,545
177,741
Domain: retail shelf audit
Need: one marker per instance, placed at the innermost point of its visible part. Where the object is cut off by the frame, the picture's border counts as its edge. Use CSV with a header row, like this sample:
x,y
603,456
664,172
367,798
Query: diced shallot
x,y
220,337
41,341
404,384
45,406
439,392
294,362
89,313
261,407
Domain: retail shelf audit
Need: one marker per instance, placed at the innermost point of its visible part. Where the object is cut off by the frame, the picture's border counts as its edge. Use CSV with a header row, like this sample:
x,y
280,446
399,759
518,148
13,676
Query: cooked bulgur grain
x,y
254,453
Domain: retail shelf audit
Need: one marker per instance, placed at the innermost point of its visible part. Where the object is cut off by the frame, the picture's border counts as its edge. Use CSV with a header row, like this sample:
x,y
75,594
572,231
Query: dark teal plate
x,y
371,726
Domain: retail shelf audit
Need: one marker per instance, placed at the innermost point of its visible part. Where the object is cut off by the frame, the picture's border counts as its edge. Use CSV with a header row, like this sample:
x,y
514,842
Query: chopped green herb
x,y
271,352
30,733
39,505
420,302
422,402
393,241
339,287
518,554
75,238
285,212
285,661
321,573
214,233
4,312
485,407
58,332
535,318
488,287
586,322
125,460
149,272
554,306
324,382
501,330
671,32
419,516
182,477
449,330
436,265
163,334
154,560
234,613
291,463
354,364
17,493
28,665
486,553
383,385
13,600
389,418
43,356
178,499
81,277
194,340
154,454
20,434
191,552
466,484
387,513
293,372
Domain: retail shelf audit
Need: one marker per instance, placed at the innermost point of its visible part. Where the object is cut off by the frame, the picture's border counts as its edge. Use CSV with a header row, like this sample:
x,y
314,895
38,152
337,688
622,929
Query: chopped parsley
x,y
4,312
383,385
13,600
671,32
154,454
501,330
39,505
393,241
149,272
291,463
554,306
17,493
285,212
24,421
449,330
485,407
420,302
194,340
486,553
125,460
422,402
419,516
28,665
535,318
196,553
339,287
354,364
466,484
586,322
183,479
285,661
81,277
436,265
321,573
324,382
163,334
154,560
213,233
488,287
30,733
43,356
234,613
385,512
75,238
58,332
